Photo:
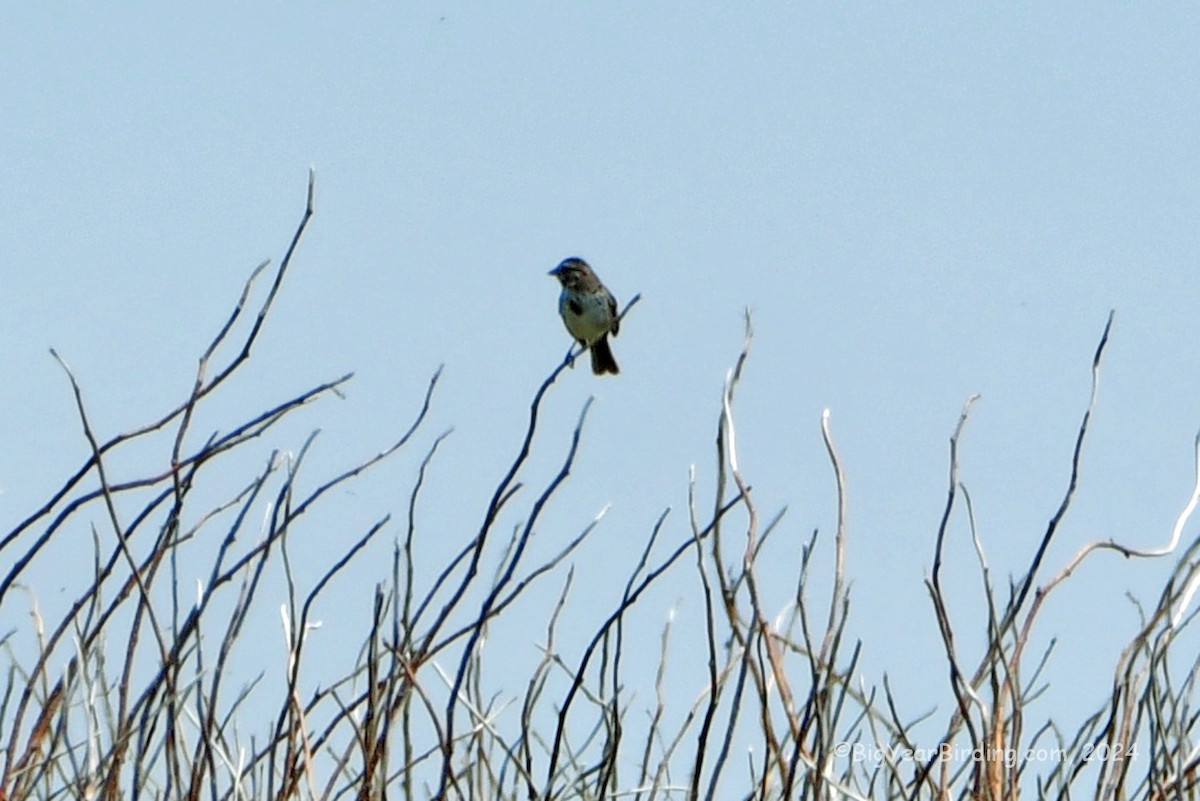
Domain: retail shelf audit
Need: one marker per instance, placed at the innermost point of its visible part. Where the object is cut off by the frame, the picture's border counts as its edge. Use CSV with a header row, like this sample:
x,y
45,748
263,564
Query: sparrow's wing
x,y
612,310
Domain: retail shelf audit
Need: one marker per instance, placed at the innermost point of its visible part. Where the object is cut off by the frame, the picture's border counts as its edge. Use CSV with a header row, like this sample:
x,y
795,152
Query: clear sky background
x,y
917,202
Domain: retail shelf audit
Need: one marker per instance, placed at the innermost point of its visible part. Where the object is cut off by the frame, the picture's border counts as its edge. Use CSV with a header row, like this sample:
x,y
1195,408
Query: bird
x,y
588,310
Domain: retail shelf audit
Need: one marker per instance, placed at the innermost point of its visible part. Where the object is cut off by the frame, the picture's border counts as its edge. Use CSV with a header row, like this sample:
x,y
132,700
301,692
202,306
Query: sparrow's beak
x,y
555,271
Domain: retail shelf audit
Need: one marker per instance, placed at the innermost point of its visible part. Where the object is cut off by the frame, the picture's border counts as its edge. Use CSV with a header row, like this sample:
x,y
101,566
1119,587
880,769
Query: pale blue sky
x,y
917,201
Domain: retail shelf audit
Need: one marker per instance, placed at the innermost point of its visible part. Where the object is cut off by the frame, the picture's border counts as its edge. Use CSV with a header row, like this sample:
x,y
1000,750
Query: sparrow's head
x,y
574,273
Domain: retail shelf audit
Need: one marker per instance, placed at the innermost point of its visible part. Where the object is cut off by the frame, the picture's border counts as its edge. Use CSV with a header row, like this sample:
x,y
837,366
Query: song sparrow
x,y
588,310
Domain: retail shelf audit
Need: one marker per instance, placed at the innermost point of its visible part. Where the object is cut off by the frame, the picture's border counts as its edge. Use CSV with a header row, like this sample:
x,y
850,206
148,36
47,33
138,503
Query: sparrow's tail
x,y
602,357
